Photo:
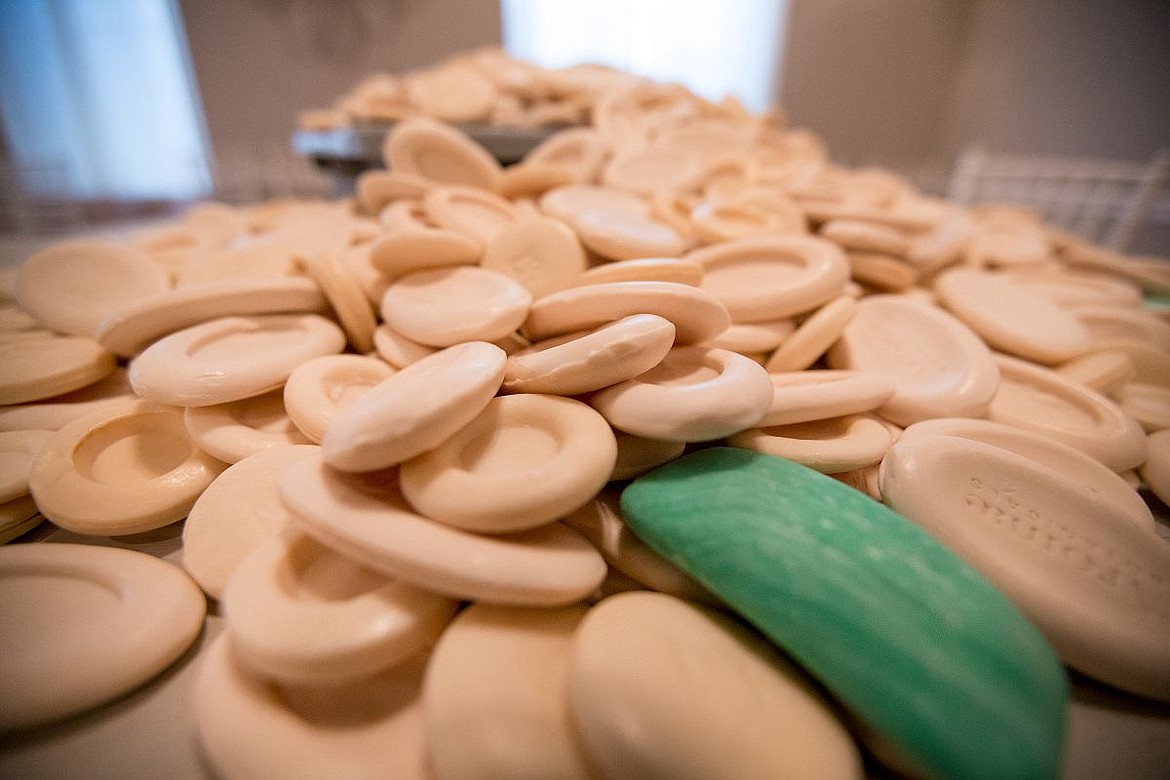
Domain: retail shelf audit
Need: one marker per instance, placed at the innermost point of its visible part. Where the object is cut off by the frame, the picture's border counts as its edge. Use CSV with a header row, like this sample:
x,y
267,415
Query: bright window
x,y
100,93
715,47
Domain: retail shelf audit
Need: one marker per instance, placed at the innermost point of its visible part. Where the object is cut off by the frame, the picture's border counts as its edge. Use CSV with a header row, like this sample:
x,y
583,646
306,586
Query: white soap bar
x,y
660,688
416,409
371,521
303,614
233,431
71,287
524,461
495,696
231,358
123,470
694,394
1091,579
939,367
1038,399
237,513
132,613
254,730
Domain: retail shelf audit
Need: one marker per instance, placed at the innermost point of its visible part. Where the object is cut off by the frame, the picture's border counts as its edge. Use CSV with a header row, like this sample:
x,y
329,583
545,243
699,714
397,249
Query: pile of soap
x,y
482,86
397,428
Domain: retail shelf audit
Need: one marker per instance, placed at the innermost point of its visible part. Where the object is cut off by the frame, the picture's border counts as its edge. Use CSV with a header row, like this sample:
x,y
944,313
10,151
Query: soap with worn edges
x,y
945,676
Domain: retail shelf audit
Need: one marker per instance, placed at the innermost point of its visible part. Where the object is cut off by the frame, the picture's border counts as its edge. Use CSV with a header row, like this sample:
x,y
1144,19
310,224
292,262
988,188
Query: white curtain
x,y
715,47
97,100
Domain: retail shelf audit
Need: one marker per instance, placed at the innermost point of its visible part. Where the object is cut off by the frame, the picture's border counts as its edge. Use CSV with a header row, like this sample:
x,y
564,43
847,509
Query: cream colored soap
x,y
440,153
124,470
647,269
580,363
541,253
1090,578
830,446
659,688
448,306
134,326
1041,400
495,696
251,729
600,521
697,316
523,462
1010,317
939,367
318,389
819,331
233,431
231,358
36,369
398,350
131,613
368,519
50,414
345,296
770,277
302,614
416,409
694,394
802,396
403,250
1156,470
476,213
17,449
1089,475
71,287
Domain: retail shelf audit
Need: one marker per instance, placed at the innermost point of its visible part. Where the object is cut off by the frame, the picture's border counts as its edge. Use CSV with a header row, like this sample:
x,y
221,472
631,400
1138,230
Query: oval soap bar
x,y
939,666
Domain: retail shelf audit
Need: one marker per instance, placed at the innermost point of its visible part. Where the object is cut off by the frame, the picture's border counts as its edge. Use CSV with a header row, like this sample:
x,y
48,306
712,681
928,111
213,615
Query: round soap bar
x,y
1156,470
600,521
580,363
1038,399
765,278
369,520
346,297
694,394
802,396
815,335
830,446
231,358
302,614
254,730
416,409
52,414
440,153
17,449
318,389
237,513
839,580
83,624
233,431
524,461
541,253
1094,581
644,709
135,325
1090,476
124,470
407,249
448,306
1010,317
939,367
476,213
495,696
697,315
71,287
40,368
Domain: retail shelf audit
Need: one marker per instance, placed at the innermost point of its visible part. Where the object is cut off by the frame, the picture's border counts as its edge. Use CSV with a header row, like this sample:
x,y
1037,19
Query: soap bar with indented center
x,y
939,667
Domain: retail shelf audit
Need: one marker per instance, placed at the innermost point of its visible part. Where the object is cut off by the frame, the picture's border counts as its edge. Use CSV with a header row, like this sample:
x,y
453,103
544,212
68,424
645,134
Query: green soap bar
x,y
916,644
